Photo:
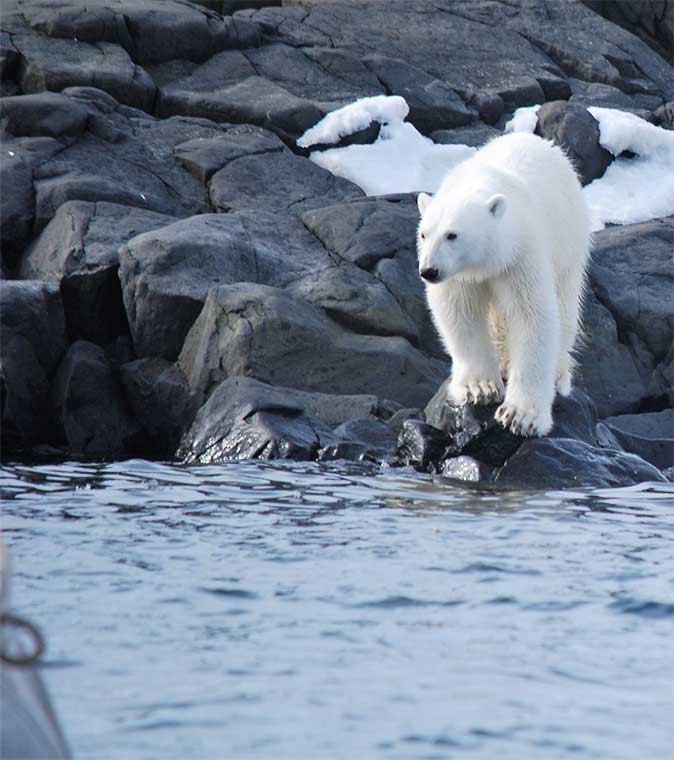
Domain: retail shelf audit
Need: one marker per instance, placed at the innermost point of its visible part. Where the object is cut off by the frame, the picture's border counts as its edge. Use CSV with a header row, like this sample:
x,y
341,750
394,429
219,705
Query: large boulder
x,y
575,129
90,411
266,333
78,251
167,274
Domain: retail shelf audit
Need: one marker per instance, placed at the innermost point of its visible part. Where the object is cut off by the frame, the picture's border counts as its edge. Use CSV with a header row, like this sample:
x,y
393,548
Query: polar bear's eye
x,y
451,236
422,236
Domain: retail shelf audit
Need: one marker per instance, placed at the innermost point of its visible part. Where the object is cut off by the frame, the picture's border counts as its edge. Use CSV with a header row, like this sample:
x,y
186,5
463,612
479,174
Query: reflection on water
x,y
305,611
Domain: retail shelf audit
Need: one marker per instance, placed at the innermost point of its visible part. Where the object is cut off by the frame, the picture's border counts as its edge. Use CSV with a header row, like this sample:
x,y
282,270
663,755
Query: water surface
x,y
297,611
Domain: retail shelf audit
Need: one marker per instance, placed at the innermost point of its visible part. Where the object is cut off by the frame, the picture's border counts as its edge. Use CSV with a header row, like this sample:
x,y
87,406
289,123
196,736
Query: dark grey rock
x,y
543,463
46,114
135,171
365,136
658,451
433,104
78,251
475,135
420,445
651,20
607,369
227,89
159,397
19,158
376,437
398,419
54,64
471,429
378,235
34,310
202,157
143,27
632,276
247,419
573,128
89,406
574,417
278,181
645,425
266,333
606,96
166,276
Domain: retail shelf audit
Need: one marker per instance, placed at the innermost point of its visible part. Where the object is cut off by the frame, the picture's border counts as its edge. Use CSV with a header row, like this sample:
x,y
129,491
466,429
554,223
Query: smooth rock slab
x,y
78,251
543,463
266,333
645,425
90,411
657,451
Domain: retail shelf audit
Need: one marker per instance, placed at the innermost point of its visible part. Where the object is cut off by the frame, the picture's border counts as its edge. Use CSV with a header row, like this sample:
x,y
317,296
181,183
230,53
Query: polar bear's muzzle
x,y
429,274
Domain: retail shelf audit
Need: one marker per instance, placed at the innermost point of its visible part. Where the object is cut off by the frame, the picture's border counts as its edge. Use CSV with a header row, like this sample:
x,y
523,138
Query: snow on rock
x,y
401,160
386,109
632,189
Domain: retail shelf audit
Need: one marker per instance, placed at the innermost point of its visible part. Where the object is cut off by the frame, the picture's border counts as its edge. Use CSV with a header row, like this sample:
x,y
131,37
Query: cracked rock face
x,y
173,255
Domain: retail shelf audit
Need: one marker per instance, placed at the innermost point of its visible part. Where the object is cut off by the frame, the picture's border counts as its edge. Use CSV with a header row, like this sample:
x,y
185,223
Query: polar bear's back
x,y
540,179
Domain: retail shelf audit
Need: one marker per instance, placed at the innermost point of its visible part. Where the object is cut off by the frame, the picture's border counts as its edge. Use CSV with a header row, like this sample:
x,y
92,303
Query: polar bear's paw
x,y
473,390
524,420
563,383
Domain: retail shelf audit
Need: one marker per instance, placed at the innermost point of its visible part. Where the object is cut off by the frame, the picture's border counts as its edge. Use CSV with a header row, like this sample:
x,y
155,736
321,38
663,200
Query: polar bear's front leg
x,y
532,339
460,314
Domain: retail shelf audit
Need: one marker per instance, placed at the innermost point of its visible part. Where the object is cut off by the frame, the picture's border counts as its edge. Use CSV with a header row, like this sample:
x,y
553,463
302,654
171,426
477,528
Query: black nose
x,y
430,275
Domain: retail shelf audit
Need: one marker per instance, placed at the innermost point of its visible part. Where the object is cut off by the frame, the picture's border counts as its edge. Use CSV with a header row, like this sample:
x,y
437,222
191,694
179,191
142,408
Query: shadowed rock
x,y
420,445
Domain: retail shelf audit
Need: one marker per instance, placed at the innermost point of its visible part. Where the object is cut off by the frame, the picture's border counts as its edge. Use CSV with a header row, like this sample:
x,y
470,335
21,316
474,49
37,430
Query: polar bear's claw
x,y
525,422
471,391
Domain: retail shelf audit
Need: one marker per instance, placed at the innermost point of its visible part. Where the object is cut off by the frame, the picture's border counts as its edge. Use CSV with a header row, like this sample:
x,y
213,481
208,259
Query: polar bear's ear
x,y
497,205
422,202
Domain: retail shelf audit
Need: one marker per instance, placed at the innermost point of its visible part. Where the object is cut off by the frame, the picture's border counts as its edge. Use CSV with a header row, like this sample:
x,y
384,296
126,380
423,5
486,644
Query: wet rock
x,y
574,416
398,419
377,439
420,445
543,463
645,425
433,104
575,129
89,408
247,419
471,429
266,333
166,276
278,181
78,251
465,468
160,399
658,451
474,136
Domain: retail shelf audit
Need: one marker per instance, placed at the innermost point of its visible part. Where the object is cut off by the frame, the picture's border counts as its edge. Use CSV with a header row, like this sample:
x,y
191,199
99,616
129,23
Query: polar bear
x,y
503,248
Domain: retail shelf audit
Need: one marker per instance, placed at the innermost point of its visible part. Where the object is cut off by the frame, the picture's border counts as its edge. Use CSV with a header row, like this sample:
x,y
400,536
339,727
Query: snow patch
x,y
402,160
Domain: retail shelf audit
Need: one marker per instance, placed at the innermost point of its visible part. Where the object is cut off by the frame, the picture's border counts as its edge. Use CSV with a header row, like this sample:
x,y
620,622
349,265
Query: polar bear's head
x,y
467,238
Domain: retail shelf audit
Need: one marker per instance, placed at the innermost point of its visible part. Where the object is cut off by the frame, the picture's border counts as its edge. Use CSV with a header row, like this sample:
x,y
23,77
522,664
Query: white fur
x,y
510,285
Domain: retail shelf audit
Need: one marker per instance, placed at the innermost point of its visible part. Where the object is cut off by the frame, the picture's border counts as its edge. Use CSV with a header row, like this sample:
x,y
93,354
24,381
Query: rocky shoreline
x,y
180,280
